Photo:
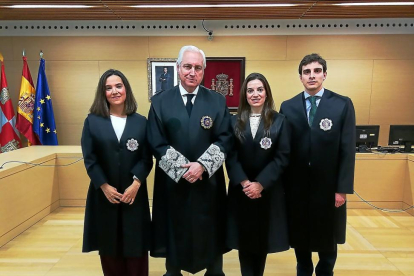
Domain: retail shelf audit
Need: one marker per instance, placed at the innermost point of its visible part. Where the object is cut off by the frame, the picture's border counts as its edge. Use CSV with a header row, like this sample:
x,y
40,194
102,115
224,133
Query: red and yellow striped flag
x,y
26,104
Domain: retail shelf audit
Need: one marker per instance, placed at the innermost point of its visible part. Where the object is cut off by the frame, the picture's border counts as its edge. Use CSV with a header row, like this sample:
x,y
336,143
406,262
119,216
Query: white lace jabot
x,y
254,123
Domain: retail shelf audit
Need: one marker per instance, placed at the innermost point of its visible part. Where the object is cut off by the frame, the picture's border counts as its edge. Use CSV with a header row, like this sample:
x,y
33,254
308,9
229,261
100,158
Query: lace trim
x,y
212,159
254,124
171,163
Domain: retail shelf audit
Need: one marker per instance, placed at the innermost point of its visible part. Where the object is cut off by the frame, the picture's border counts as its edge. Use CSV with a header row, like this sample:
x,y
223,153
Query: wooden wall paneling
x,y
408,199
354,47
136,73
6,48
251,47
392,97
83,48
26,195
379,180
282,77
72,87
352,78
73,180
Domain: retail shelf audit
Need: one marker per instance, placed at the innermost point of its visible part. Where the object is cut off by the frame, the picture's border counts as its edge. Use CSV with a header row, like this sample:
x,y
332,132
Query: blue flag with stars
x,y
44,120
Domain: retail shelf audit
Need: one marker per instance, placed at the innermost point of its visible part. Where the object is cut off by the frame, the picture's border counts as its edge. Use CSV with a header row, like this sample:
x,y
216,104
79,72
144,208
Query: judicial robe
x,y
258,226
189,219
322,164
116,229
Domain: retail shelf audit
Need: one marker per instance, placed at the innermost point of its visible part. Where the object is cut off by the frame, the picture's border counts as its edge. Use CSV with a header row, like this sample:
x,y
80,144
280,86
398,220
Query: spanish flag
x,y
26,105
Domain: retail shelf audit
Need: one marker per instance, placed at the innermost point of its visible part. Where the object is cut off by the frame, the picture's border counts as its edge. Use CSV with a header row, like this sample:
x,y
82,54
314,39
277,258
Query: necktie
x,y
189,104
312,111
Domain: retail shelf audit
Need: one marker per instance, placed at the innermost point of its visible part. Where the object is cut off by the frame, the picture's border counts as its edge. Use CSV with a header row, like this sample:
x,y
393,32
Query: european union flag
x,y
44,120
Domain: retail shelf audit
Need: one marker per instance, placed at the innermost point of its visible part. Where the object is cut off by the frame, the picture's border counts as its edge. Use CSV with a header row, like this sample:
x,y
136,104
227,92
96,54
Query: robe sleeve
x,y
170,160
144,165
215,155
234,168
94,170
272,172
347,151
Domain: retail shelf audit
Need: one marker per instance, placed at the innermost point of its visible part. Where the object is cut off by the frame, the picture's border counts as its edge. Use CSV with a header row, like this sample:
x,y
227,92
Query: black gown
x,y
258,226
116,229
189,219
322,164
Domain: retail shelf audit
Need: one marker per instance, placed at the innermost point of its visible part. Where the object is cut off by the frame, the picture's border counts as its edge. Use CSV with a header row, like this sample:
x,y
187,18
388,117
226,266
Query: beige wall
x,y
374,70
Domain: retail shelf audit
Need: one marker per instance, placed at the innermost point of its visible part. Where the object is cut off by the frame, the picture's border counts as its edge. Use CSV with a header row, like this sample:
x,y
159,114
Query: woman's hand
x,y
111,193
131,192
253,189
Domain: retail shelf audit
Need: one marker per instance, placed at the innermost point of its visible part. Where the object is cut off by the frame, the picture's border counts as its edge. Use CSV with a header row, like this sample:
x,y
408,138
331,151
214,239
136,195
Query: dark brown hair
x,y
100,105
243,112
310,59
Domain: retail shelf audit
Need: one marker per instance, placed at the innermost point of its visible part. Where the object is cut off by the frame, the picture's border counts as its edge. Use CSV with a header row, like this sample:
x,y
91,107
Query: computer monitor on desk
x,y
402,135
367,137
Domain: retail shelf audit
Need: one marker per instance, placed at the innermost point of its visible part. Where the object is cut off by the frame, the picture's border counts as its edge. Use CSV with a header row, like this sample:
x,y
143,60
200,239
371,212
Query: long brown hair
x,y
100,105
243,112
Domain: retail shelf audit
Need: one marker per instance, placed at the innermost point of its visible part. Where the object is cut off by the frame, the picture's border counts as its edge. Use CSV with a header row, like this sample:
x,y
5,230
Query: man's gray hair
x,y
190,48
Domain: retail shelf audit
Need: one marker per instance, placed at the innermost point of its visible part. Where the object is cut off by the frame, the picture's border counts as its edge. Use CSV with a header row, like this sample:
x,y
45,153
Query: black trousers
x,y
214,269
324,267
252,264
120,266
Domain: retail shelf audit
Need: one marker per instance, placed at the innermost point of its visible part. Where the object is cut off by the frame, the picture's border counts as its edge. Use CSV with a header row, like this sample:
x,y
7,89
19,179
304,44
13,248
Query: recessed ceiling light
x,y
377,4
48,6
215,6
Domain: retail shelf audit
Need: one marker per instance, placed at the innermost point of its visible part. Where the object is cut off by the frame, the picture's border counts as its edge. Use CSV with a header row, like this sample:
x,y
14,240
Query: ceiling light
x,y
215,6
377,4
48,6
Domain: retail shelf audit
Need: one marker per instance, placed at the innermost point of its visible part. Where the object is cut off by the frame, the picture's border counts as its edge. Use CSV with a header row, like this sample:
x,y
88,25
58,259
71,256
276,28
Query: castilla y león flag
x,y
26,105
9,137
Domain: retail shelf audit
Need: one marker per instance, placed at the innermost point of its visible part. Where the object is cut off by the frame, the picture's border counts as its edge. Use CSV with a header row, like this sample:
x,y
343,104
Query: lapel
x,y
111,133
259,132
323,108
299,106
200,109
125,134
178,106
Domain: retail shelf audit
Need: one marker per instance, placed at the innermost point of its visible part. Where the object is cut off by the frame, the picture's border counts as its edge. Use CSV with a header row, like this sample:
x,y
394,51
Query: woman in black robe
x,y
257,222
118,161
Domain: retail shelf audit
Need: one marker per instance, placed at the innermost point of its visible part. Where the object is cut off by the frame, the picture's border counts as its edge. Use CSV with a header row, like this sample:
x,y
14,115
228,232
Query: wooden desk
x,y
28,193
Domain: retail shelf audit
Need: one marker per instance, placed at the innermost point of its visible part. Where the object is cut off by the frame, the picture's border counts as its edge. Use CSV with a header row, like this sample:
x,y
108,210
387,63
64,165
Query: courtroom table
x,y
28,192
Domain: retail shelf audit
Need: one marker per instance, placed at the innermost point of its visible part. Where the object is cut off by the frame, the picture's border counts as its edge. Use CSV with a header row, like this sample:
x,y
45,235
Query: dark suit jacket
x,y
322,164
116,229
258,226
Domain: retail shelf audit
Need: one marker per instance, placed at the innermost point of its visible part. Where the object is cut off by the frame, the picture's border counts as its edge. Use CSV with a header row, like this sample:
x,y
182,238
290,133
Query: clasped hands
x,y
128,197
194,172
252,189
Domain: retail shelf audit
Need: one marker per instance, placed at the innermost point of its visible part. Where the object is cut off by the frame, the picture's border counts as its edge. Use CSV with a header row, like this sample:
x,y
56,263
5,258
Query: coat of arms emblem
x,y
222,85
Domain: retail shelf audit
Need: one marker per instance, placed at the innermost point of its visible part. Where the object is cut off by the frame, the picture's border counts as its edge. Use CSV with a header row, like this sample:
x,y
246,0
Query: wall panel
x,y
352,46
374,70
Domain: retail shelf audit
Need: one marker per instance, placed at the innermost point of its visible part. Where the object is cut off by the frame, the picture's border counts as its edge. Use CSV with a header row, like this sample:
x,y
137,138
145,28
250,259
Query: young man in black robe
x,y
321,170
189,132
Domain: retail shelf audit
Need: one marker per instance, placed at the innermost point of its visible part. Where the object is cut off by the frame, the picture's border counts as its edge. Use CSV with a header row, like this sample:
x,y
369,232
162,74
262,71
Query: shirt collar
x,y
184,92
319,94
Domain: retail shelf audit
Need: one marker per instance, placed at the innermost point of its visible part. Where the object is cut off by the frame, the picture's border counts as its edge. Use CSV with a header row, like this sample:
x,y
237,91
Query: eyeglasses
x,y
188,67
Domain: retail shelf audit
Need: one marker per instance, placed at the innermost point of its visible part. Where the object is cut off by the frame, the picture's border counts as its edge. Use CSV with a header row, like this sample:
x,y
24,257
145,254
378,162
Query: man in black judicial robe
x,y
321,170
190,137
